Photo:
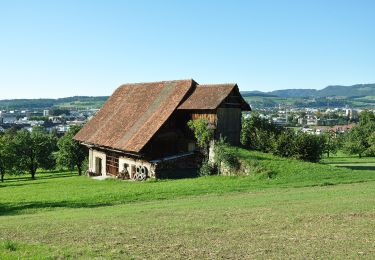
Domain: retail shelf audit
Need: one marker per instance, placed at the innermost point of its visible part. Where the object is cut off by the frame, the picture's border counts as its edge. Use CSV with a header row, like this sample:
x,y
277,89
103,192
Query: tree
x,y
358,139
371,142
366,117
33,151
258,133
71,154
331,143
202,132
355,141
6,154
308,147
284,145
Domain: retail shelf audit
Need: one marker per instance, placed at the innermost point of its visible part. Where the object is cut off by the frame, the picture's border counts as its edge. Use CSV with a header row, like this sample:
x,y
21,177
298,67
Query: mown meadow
x,y
287,209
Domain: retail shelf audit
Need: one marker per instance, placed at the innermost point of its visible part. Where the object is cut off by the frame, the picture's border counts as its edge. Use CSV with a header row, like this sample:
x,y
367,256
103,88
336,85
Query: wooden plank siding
x,y
229,124
209,115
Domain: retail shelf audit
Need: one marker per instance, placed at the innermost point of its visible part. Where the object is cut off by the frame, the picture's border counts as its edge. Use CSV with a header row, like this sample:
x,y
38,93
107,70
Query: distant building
x,y
46,112
8,118
311,121
342,128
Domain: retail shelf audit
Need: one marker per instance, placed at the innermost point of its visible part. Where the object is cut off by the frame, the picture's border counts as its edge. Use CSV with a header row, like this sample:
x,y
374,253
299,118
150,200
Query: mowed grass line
x,y
310,222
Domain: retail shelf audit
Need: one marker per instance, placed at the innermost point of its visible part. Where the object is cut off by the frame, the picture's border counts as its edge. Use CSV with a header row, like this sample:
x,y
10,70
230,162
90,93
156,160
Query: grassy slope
x,y
211,217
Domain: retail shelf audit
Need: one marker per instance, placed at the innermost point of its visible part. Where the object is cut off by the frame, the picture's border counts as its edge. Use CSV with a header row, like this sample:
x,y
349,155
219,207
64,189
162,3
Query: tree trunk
x,y
79,167
360,155
2,177
32,172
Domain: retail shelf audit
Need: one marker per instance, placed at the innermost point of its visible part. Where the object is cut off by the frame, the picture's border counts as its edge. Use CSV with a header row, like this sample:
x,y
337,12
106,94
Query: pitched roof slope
x,y
133,114
211,96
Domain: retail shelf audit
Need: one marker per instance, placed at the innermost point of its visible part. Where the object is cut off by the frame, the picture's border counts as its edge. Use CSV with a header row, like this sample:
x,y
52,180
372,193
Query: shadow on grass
x,y
339,162
11,209
359,168
19,184
40,176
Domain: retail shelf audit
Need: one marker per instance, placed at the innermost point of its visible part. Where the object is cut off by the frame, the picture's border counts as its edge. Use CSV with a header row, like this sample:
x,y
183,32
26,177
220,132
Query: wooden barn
x,y
141,131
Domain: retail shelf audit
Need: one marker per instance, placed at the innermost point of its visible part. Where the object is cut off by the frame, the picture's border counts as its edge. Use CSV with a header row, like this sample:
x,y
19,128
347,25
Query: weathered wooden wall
x,y
208,115
229,124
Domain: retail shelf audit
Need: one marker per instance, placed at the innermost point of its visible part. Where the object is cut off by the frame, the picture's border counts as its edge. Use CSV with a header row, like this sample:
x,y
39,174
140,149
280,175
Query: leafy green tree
x,y
366,117
309,147
371,142
355,141
6,154
71,153
358,139
331,143
202,133
33,151
284,145
258,133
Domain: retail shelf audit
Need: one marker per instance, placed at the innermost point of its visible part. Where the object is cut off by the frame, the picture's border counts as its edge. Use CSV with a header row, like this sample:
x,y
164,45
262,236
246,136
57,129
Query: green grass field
x,y
351,162
304,211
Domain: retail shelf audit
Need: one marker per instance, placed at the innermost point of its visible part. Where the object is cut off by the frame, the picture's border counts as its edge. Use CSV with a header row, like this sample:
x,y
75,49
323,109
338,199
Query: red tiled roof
x,y
133,114
206,97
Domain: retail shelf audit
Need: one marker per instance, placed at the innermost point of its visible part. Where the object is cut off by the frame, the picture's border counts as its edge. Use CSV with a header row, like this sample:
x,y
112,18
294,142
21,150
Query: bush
x,y
258,133
308,147
206,169
284,145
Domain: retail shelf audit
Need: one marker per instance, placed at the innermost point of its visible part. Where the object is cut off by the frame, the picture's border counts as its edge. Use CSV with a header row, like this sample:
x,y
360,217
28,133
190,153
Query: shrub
x,y
206,169
224,157
309,147
258,133
284,145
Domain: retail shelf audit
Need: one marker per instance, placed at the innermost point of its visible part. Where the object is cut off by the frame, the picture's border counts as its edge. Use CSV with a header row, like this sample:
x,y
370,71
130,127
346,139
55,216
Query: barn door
x,y
112,162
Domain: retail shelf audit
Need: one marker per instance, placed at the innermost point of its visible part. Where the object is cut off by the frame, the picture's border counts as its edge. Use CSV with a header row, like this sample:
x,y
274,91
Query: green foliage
x,y
33,150
308,147
59,111
284,145
206,169
202,132
71,153
332,143
366,117
359,139
261,135
223,155
6,154
258,133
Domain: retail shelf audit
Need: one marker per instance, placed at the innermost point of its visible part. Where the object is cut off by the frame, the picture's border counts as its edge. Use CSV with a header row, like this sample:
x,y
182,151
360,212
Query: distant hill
x,y
359,90
360,95
76,101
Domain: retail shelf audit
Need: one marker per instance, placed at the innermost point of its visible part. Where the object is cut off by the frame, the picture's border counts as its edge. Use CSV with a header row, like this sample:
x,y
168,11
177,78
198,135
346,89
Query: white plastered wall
x,y
97,154
134,162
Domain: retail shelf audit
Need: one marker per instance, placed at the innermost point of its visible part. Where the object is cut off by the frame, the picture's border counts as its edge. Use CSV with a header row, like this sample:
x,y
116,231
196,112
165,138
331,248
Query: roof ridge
x,y
217,84
156,82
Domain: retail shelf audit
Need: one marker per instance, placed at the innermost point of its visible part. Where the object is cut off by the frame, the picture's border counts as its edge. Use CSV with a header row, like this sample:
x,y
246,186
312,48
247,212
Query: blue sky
x,y
79,47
